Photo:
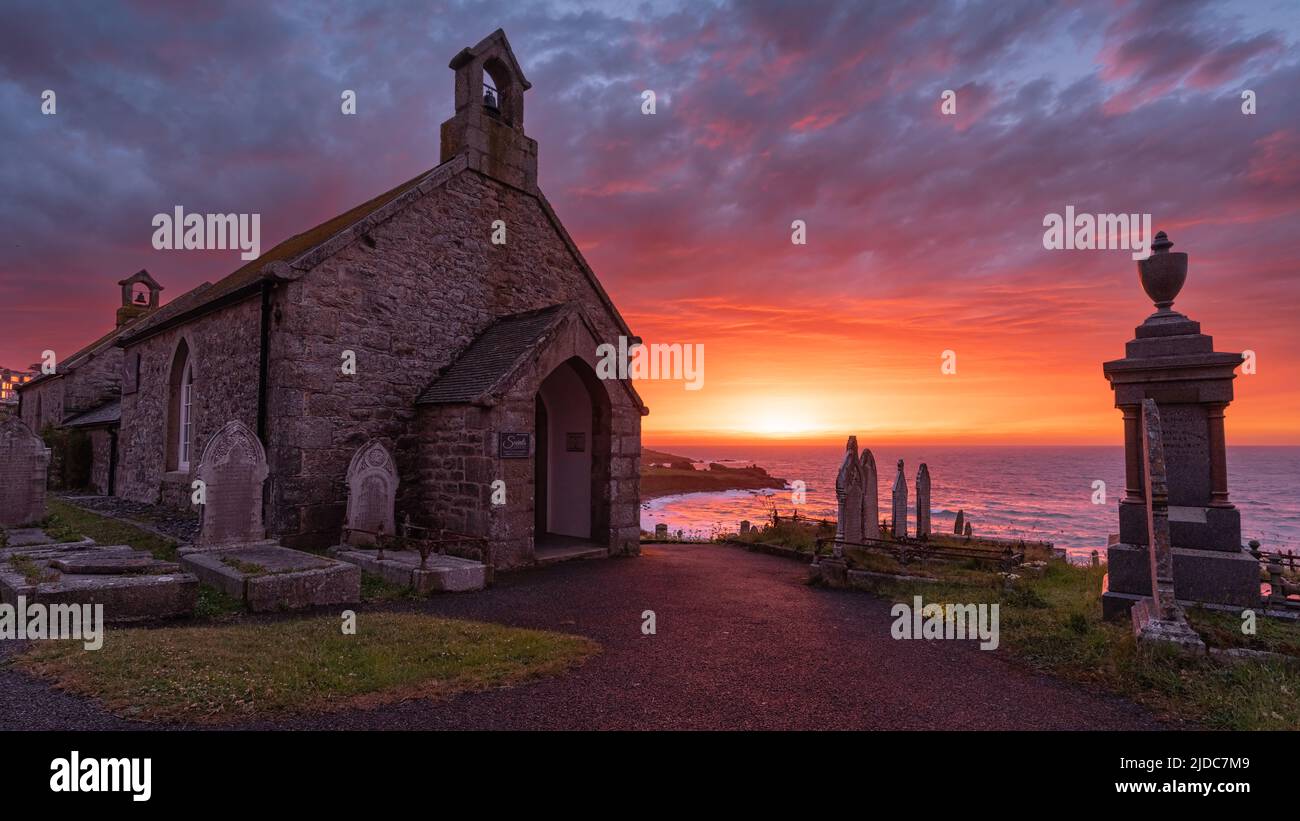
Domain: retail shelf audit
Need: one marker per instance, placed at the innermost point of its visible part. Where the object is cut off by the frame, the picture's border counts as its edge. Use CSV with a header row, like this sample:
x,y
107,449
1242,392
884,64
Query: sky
x,y
924,230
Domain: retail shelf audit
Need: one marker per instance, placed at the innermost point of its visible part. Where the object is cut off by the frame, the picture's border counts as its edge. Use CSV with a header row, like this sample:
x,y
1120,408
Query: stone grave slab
x,y
440,574
898,511
233,470
25,536
24,461
268,577
849,488
131,584
372,488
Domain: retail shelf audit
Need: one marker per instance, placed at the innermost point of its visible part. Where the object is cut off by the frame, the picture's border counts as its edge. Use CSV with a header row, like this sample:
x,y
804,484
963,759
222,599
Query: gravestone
x,y
1159,618
923,503
899,513
967,531
1172,363
870,496
661,531
960,524
848,492
744,527
372,489
233,470
24,460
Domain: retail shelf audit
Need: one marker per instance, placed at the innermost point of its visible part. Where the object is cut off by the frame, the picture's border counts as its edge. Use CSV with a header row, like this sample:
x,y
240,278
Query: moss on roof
x,y
286,251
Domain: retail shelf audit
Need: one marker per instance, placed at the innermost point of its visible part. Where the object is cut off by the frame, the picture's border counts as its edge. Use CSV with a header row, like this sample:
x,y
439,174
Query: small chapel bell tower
x,y
139,296
488,126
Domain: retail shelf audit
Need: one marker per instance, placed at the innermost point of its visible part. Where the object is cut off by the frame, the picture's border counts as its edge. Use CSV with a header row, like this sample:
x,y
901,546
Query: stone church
x,y
401,320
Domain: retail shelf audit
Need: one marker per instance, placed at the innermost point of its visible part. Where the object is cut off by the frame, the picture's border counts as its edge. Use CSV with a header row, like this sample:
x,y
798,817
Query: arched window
x,y
187,392
180,410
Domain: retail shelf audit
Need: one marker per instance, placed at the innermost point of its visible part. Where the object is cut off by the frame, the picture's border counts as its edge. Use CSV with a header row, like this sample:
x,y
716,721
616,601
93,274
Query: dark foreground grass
x,y
225,673
69,523
1053,624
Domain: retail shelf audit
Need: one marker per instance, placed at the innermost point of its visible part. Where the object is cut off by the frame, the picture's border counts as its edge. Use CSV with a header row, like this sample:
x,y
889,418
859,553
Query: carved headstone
x,y
959,525
898,515
372,490
24,460
744,527
1157,504
1159,619
661,531
967,531
848,492
233,470
870,496
923,503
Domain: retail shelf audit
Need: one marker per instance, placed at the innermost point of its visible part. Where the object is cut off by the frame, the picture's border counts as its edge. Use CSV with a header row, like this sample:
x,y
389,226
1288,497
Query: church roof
x,y
109,413
64,367
492,356
246,275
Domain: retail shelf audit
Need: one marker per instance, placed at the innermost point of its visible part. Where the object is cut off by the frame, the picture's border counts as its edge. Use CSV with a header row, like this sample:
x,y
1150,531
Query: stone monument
x,y
1159,618
898,515
372,491
848,492
923,503
233,470
960,524
870,496
1171,362
232,552
24,460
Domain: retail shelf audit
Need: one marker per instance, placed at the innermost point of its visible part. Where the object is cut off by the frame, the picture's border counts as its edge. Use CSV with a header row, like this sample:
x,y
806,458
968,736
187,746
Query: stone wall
x,y
48,395
225,345
407,299
101,445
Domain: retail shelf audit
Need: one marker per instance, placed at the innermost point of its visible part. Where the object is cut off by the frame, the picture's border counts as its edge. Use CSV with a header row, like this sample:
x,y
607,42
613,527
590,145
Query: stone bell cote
x,y
488,126
139,296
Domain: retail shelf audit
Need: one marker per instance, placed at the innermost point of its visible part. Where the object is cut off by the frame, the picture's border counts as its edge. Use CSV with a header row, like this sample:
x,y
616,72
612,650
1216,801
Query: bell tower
x,y
139,296
488,126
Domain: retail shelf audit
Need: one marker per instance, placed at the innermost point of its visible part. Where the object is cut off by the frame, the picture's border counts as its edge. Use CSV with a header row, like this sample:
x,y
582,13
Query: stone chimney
x,y
488,126
137,301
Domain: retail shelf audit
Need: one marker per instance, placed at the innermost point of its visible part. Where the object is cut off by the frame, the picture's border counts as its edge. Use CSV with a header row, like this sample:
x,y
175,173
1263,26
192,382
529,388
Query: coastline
x,y
666,474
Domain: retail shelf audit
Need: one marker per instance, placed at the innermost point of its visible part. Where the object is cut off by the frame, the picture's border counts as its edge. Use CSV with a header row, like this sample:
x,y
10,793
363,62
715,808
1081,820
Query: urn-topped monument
x,y
1171,362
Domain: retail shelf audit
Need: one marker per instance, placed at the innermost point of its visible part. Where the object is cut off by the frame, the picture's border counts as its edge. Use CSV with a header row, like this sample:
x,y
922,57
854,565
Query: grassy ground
x,y
1053,624
214,674
68,523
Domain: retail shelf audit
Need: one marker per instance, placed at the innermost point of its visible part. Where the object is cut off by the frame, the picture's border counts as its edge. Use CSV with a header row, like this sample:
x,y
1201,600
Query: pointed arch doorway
x,y
571,464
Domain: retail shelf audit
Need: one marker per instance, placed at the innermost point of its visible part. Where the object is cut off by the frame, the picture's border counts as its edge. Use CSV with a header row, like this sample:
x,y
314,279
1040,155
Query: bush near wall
x,y
70,457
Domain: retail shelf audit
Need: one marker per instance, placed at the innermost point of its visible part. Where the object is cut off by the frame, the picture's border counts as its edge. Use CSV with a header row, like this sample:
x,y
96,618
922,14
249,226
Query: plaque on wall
x,y
575,442
512,445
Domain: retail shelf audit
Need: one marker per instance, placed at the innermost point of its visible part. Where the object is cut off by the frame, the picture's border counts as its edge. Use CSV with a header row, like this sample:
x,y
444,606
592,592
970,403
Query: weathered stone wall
x,y
48,395
407,301
101,449
225,346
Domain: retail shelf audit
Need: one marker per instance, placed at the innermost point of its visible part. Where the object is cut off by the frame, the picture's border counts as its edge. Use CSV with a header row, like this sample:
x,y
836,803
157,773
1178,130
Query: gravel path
x,y
742,643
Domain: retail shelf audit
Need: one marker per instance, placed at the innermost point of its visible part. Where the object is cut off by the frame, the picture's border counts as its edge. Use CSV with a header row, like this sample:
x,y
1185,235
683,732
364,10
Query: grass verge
x,y
1053,624
215,674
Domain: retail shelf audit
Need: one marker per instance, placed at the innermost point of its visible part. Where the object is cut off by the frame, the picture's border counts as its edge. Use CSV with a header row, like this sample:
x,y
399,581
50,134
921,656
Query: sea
x,y
1044,492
